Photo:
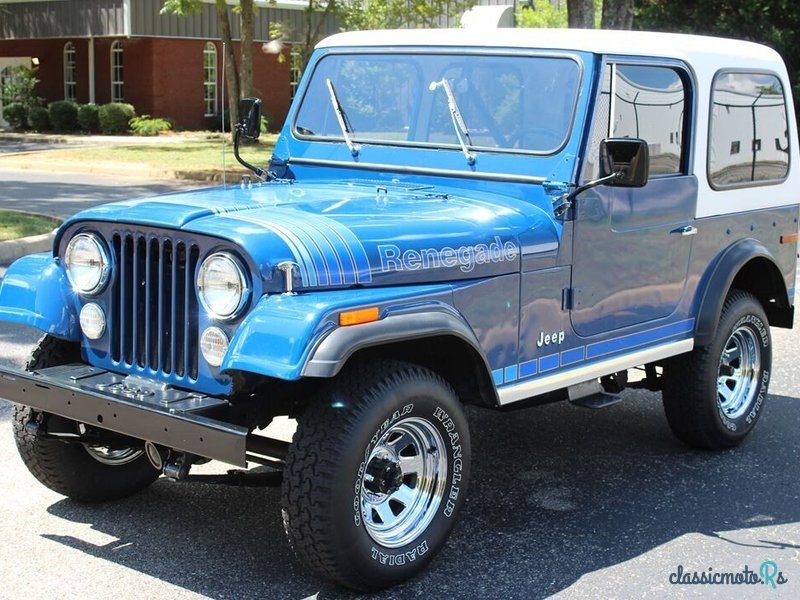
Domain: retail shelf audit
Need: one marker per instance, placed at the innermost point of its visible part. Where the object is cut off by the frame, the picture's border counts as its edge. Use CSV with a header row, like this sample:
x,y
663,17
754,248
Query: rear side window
x,y
749,135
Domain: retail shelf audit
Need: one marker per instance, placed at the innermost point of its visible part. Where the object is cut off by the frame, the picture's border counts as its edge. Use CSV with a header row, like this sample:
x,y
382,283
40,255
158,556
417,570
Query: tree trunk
x,y
617,14
231,74
312,30
247,21
580,14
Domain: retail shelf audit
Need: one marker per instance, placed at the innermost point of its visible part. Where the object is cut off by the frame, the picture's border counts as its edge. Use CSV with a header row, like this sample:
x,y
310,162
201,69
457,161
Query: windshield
x,y
507,103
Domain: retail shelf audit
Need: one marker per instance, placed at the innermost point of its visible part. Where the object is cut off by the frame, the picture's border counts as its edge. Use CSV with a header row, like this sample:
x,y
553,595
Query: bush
x,y
115,117
63,115
16,115
39,118
88,117
149,126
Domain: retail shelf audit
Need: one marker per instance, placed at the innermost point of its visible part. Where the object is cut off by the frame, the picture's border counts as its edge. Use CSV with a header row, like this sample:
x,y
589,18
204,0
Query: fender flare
x,y
331,352
718,282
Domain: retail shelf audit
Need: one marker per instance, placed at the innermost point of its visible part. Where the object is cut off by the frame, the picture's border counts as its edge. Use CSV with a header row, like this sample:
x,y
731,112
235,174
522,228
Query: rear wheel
x,y
714,395
83,472
376,475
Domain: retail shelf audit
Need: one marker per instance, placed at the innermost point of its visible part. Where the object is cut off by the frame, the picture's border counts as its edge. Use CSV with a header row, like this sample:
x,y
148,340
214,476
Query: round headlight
x,y
222,285
87,263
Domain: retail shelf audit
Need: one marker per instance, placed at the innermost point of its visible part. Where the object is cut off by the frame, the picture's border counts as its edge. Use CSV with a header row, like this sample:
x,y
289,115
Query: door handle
x,y
685,231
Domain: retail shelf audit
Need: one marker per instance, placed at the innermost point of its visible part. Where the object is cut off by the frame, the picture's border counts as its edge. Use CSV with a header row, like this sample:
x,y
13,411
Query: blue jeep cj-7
x,y
516,219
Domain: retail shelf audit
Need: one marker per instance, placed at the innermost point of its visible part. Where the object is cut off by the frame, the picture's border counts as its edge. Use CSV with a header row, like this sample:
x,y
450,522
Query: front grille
x,y
153,304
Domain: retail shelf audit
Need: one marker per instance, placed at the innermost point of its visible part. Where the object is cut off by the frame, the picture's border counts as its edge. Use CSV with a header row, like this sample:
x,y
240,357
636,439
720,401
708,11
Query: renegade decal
x,y
465,257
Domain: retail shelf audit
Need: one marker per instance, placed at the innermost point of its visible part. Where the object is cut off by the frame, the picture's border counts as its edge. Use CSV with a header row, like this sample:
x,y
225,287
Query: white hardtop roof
x,y
691,48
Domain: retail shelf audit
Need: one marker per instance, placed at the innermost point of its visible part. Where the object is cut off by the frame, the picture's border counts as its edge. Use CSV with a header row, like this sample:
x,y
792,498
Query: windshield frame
x,y
427,51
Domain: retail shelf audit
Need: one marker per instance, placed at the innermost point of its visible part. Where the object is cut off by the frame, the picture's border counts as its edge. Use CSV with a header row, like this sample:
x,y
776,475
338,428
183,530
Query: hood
x,y
349,234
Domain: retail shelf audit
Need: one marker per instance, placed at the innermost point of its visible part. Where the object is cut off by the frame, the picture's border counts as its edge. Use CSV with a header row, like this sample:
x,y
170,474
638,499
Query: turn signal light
x,y
357,317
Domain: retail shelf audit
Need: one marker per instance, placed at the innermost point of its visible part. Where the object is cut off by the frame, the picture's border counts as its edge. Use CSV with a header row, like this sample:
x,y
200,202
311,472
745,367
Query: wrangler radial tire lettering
x,y
376,475
69,468
714,395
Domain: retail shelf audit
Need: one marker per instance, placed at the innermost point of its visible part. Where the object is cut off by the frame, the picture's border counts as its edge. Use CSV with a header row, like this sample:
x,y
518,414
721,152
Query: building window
x,y
750,107
210,79
7,77
736,147
295,71
70,72
117,81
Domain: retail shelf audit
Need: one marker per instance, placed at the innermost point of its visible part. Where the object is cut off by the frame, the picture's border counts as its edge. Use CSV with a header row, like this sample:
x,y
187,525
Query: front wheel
x,y
376,475
714,395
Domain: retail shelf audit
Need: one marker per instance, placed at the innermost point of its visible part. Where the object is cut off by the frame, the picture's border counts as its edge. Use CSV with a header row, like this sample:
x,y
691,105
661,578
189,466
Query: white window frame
x,y
210,80
70,73
117,72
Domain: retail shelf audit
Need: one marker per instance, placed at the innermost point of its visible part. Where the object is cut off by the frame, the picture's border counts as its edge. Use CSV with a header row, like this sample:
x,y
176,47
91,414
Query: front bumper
x,y
130,406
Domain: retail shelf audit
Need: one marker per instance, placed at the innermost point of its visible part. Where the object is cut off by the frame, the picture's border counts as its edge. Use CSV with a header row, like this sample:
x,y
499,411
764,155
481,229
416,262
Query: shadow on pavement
x,y
557,492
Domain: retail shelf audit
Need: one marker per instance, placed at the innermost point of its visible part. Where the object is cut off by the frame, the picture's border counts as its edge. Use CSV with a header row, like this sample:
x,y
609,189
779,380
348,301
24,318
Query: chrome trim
x,y
557,381
104,259
242,277
319,162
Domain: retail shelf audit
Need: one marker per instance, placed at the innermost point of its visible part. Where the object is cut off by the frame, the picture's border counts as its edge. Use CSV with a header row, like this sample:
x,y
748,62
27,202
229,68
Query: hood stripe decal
x,y
328,252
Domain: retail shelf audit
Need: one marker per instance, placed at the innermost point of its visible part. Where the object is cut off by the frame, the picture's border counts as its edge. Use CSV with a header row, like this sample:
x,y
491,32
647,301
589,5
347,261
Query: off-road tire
x,y
68,468
324,486
690,392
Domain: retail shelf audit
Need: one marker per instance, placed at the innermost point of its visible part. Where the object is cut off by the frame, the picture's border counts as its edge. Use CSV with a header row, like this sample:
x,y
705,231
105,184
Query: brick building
x,y
167,66
125,50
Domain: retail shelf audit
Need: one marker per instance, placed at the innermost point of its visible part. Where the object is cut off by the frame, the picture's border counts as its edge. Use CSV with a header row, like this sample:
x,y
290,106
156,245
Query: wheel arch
x,y
747,265
439,340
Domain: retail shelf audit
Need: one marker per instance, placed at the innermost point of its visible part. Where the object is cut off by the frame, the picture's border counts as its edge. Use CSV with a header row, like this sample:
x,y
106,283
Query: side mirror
x,y
629,158
249,124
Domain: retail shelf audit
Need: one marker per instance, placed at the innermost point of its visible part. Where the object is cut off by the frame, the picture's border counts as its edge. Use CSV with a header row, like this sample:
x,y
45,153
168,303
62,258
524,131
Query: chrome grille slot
x,y
153,304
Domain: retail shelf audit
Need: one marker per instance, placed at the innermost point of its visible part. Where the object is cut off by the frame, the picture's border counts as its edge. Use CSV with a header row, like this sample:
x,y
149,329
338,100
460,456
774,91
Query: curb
x,y
11,250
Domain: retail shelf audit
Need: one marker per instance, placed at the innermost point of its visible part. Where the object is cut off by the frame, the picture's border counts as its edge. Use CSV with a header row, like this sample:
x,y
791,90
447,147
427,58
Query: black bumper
x,y
130,406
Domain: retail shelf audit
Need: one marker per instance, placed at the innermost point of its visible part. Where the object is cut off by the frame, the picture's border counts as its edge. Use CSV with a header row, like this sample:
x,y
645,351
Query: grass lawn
x,y
189,156
14,225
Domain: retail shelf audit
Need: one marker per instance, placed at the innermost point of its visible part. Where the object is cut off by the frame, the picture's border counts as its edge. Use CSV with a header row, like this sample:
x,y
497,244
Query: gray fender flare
x,y
331,353
718,281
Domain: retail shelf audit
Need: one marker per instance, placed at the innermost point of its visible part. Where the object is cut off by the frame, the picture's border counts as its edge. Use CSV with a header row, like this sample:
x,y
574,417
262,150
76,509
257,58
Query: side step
x,y
591,395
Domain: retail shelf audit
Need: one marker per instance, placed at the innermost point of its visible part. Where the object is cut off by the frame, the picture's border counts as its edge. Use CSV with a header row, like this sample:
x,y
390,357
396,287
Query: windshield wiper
x,y
458,120
341,117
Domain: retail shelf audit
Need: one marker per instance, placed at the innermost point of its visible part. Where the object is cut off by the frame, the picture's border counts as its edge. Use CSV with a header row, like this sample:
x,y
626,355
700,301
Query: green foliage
x,y
115,117
63,115
775,23
181,8
22,88
543,14
16,114
395,14
89,118
39,118
149,126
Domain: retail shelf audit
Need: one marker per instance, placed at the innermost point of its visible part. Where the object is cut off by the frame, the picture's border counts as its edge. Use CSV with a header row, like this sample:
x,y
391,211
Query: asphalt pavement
x,y
564,501
62,194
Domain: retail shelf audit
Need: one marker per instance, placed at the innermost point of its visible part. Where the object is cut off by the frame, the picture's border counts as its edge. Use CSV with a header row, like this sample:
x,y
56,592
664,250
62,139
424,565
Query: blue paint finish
x,y
276,337
510,374
36,292
569,357
548,363
528,369
497,376
635,340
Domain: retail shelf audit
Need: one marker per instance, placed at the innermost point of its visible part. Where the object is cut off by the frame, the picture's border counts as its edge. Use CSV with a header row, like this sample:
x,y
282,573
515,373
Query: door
x,y
632,245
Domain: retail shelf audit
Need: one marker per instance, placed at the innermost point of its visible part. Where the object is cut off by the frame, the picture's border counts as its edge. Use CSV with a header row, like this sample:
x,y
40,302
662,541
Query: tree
x,y
542,13
398,14
617,14
247,13
581,13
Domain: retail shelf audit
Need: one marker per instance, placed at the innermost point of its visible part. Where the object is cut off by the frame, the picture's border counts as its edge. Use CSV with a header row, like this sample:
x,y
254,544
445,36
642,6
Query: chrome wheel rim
x,y
739,369
114,457
403,482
